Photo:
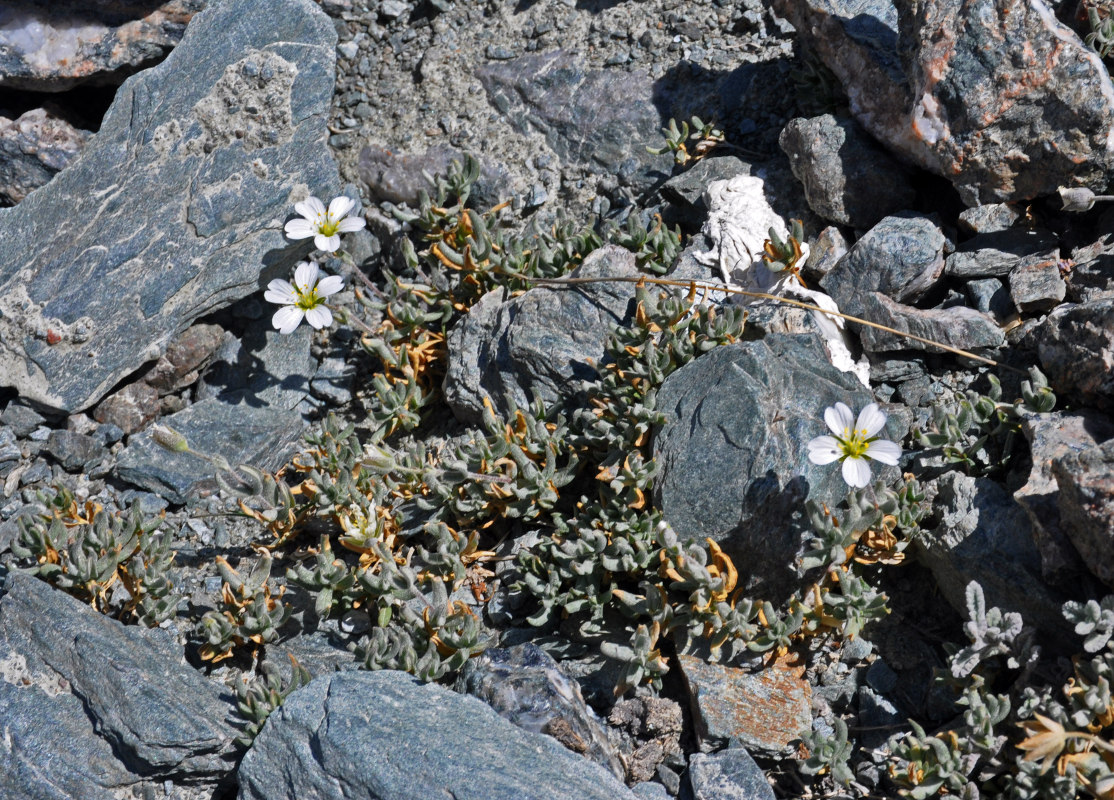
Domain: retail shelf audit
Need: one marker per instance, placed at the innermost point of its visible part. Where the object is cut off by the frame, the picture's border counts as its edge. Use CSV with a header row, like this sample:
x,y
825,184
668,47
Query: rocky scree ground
x,y
558,103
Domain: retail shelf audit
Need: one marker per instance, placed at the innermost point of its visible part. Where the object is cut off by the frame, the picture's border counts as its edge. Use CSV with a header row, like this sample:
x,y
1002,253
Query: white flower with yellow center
x,y
853,442
305,298
324,225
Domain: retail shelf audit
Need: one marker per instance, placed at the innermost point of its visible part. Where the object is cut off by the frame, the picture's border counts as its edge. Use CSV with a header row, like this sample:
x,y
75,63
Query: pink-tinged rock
x,y
997,96
766,709
52,47
33,148
185,357
131,409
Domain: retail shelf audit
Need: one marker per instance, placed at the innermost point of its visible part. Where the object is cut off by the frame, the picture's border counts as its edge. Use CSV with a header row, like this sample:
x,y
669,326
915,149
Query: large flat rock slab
x,y
175,208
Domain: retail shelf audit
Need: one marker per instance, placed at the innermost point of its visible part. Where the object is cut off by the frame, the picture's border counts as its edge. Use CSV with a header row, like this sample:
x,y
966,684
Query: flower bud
x,y
1076,199
168,438
378,458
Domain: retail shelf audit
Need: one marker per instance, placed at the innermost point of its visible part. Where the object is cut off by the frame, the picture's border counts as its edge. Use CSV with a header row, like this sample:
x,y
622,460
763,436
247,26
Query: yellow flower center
x,y
308,300
855,442
326,225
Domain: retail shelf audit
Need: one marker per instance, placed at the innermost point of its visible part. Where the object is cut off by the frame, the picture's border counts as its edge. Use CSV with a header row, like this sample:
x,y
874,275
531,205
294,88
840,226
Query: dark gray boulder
x,y
1036,285
730,774
848,177
161,718
995,253
1075,344
33,148
1002,99
542,343
1086,481
733,456
385,736
51,47
1091,274
175,208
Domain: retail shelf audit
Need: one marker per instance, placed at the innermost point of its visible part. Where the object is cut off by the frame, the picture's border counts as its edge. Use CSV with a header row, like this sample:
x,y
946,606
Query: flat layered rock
x,y
33,148
174,209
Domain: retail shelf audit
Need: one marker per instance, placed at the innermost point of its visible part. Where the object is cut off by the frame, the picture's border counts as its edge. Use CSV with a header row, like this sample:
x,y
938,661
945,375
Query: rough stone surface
x,y
996,253
264,368
33,148
763,710
527,688
383,735
848,178
1052,436
398,178
542,343
745,411
1092,272
185,357
1002,99
51,47
244,434
1036,285
131,409
727,775
1076,349
989,295
210,149
1086,482
73,450
991,218
984,535
653,728
162,718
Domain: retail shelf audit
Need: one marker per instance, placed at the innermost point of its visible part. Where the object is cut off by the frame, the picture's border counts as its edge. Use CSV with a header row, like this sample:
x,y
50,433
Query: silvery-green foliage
x,y
980,431
1030,782
1093,620
828,753
990,633
258,698
1101,37
928,766
248,613
641,660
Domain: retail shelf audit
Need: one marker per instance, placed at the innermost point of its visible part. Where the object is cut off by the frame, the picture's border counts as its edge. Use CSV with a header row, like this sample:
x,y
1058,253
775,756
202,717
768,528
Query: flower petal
x,y
281,292
329,285
287,318
823,450
305,275
839,419
885,451
299,229
341,206
870,421
310,208
351,224
327,243
319,317
856,472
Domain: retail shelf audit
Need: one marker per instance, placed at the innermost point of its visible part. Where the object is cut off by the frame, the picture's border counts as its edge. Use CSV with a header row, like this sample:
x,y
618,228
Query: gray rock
x,y
243,434
263,369
1052,436
21,418
74,451
52,47
989,295
333,381
539,344
1091,276
984,535
161,718
603,118
385,736
132,408
746,411
878,717
727,775
650,791
652,727
1076,348
991,218
1086,482
928,80
187,355
849,178
687,188
902,257
996,254
9,449
1036,285
175,208
399,177
33,148
828,248
527,688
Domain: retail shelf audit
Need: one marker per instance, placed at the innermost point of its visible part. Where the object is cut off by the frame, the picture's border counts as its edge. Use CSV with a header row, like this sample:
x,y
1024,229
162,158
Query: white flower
x,y
305,298
851,442
324,226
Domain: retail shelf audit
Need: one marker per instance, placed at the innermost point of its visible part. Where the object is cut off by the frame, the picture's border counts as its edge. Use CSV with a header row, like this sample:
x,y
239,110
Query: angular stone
x,y
131,409
162,718
763,710
1076,348
185,357
991,218
398,177
53,47
602,118
1002,99
902,257
243,434
385,735
996,254
730,774
175,208
263,368
1086,482
1052,436
21,418
527,688
74,451
654,726
848,178
1036,285
32,149
746,411
984,535
989,295
1091,274
539,344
